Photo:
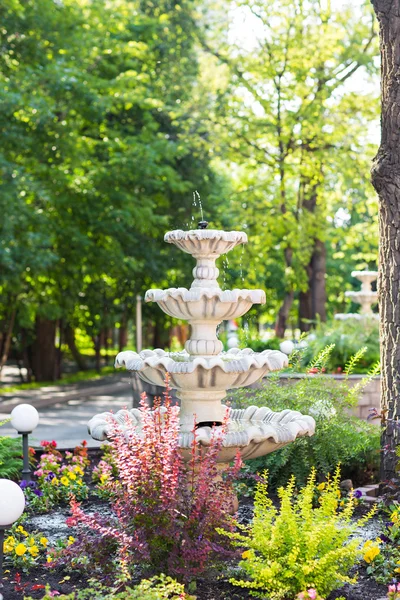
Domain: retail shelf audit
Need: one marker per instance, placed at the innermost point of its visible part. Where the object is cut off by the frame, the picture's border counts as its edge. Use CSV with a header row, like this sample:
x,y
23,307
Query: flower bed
x,y
139,523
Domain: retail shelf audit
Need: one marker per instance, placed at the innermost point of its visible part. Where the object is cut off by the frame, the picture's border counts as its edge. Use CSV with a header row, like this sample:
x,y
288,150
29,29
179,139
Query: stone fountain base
x,y
252,431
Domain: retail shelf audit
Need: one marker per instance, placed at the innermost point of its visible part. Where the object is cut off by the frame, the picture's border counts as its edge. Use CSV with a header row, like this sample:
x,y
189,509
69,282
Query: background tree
x,y
96,162
288,122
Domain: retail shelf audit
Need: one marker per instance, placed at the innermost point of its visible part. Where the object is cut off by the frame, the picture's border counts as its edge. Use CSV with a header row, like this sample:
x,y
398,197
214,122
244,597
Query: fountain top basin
x,y
196,294
205,242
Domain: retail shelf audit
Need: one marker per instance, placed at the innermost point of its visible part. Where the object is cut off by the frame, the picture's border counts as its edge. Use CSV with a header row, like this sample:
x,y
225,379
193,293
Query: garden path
x,y
65,410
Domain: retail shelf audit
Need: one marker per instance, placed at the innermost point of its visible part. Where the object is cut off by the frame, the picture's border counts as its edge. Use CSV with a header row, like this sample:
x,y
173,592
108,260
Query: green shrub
x,y
347,336
258,344
157,588
10,456
296,547
339,437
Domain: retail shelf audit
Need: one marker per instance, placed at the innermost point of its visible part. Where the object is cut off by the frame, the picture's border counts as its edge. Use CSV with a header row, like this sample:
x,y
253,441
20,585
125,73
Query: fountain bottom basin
x,y
253,431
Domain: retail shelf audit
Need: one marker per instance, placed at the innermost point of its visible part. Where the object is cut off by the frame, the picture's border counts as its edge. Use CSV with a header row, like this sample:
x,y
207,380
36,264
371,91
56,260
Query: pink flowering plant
x,y
310,594
57,477
394,591
166,514
103,472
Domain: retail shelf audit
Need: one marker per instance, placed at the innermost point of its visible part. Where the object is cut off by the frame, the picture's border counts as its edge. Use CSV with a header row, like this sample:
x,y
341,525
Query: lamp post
x,y
138,323
12,504
25,418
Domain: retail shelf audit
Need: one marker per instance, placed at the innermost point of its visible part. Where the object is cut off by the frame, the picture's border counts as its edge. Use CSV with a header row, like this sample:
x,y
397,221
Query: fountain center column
x,y
205,273
203,337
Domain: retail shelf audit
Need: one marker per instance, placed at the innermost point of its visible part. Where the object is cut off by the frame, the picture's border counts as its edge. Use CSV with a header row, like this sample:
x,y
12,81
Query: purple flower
x,y
358,494
38,493
389,524
384,538
24,484
49,477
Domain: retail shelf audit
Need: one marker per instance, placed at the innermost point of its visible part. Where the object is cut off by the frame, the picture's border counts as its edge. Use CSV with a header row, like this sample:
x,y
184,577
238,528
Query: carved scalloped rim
x,y
195,295
245,426
358,316
362,294
242,361
240,237
364,274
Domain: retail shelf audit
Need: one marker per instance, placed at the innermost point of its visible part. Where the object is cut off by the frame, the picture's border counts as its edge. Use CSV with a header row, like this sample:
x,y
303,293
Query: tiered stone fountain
x,y
203,372
366,297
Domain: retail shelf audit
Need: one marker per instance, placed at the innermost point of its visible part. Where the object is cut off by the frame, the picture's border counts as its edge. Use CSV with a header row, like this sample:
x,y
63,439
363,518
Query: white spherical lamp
x,y
287,347
12,502
24,418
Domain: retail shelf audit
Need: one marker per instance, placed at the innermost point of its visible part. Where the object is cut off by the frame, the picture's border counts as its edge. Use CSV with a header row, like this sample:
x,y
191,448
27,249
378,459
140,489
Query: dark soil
x,y
213,586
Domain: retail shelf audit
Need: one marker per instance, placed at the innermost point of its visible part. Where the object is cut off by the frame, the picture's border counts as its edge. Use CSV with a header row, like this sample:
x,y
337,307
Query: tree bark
x,y
97,340
43,350
312,302
69,336
386,180
6,339
283,314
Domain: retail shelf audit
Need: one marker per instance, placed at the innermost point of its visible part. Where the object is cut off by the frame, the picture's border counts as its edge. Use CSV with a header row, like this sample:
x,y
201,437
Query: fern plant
x,y
10,456
339,437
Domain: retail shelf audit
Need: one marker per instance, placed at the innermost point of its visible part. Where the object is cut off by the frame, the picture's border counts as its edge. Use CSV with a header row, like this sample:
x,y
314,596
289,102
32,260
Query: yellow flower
x,y
9,544
371,554
54,481
71,475
49,559
64,480
103,478
78,470
394,516
79,482
321,486
20,529
246,554
31,541
338,494
342,503
71,540
44,541
33,551
20,549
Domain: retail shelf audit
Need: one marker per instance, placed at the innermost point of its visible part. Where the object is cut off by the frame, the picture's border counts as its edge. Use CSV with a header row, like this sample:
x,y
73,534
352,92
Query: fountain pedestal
x,y
202,373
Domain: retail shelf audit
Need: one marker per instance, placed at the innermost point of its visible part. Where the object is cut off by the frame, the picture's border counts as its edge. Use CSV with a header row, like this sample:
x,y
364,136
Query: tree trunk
x,y
97,349
386,180
122,337
43,350
59,355
283,314
6,339
69,336
312,302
